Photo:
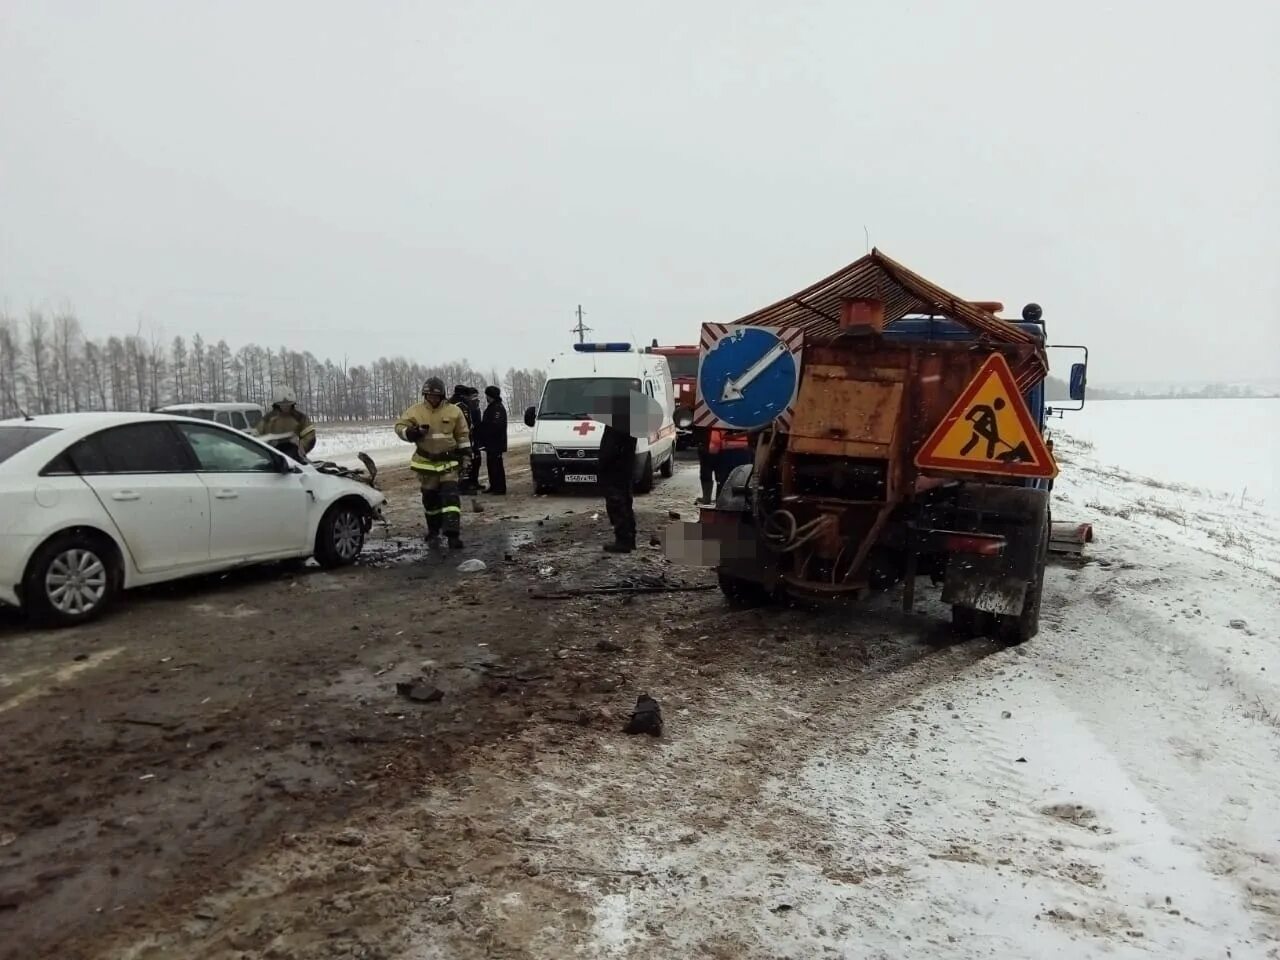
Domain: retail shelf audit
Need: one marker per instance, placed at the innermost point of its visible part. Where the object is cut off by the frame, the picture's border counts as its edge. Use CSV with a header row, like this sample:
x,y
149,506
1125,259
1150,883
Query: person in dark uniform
x,y
493,437
473,410
461,398
616,472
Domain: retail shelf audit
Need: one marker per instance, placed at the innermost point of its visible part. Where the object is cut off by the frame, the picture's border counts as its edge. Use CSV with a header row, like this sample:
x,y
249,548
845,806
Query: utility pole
x,y
581,329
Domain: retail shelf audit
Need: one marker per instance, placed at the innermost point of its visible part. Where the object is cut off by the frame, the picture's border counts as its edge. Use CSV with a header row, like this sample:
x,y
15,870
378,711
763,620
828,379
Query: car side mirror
x,y
683,418
530,415
1078,378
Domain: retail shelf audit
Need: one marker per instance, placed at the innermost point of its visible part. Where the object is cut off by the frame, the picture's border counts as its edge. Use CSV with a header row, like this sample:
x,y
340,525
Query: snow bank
x,y
1227,446
340,441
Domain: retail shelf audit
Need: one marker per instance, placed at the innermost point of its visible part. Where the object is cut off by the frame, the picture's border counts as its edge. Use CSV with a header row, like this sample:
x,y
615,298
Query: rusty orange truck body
x,y
913,445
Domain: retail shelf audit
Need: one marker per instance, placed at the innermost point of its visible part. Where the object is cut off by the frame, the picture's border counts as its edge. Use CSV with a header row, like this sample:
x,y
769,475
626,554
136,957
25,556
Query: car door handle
x,y
226,494
125,495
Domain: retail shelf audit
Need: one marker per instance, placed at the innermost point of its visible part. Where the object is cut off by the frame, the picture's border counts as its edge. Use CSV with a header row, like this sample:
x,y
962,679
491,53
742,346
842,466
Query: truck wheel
x,y
742,594
969,623
669,465
645,483
1014,630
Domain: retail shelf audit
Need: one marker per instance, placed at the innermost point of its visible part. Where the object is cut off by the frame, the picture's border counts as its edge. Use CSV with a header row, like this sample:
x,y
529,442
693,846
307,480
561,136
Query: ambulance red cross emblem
x,y
585,427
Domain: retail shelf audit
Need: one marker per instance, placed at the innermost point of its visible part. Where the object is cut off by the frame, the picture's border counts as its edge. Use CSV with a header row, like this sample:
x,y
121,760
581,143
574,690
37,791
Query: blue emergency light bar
x,y
602,347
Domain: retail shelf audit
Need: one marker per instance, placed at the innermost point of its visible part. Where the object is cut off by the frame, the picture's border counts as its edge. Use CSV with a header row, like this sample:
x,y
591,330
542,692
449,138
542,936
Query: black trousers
x,y
706,475
726,461
441,503
618,505
496,470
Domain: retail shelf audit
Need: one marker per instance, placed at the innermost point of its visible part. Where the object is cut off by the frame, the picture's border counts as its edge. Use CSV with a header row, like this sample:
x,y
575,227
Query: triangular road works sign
x,y
989,430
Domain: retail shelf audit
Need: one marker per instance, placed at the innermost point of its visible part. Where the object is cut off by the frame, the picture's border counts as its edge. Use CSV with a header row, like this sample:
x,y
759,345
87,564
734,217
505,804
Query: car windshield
x,y
685,365
576,398
13,439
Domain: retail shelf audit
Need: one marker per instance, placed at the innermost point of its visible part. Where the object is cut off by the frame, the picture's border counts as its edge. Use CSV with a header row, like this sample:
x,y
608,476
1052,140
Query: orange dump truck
x,y
897,432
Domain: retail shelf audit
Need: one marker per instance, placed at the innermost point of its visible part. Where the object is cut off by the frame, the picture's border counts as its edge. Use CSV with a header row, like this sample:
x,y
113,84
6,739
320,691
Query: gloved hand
x,y
415,433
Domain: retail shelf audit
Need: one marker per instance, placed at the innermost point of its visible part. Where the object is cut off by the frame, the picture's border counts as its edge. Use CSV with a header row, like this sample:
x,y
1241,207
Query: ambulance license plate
x,y
579,478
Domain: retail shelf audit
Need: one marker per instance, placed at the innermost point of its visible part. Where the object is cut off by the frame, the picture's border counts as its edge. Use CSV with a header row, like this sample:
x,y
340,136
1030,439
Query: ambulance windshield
x,y
578,397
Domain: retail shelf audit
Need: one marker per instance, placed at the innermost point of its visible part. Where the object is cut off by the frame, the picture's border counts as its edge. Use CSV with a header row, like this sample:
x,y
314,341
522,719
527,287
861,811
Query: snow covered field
x,y
1226,446
1110,789
342,442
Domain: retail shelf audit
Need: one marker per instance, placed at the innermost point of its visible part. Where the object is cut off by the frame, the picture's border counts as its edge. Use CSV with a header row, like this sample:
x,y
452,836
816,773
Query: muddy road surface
x,y
225,768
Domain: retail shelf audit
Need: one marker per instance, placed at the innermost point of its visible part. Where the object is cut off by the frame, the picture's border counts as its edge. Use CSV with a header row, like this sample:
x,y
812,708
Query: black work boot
x,y
620,546
706,493
433,537
455,541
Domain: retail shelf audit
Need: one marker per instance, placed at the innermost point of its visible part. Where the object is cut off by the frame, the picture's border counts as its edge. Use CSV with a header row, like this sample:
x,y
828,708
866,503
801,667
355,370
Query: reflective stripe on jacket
x,y
447,441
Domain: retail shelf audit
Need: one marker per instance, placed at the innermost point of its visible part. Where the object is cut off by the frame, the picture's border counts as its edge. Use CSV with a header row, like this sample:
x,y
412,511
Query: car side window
x,y
648,387
218,451
255,417
133,448
223,417
237,420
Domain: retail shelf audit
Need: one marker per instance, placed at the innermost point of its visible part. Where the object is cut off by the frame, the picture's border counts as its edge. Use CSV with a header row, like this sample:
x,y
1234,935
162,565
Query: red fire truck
x,y
683,361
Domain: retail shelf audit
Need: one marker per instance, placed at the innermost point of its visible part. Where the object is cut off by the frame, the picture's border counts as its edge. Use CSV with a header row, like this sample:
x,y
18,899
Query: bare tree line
x,y
47,365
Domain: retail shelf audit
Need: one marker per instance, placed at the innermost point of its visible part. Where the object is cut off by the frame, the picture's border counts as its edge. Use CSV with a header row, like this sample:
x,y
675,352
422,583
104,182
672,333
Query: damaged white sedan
x,y
95,503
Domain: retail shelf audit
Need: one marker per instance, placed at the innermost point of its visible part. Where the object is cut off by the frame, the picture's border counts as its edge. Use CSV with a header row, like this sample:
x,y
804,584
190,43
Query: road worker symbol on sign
x,y
989,430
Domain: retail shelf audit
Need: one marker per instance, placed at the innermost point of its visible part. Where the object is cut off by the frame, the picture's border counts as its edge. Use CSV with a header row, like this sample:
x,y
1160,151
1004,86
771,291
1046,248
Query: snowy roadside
x,y
1109,789
341,443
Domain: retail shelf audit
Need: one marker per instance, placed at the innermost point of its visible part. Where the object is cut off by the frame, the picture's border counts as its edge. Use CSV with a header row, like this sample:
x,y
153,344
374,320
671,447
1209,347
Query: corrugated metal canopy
x,y
816,309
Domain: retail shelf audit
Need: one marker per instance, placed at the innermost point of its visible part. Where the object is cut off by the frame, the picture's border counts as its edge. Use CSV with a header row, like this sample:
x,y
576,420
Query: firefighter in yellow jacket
x,y
439,430
285,417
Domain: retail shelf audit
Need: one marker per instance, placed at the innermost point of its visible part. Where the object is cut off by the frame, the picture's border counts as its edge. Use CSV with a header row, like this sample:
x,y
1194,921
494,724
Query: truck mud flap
x,y
998,584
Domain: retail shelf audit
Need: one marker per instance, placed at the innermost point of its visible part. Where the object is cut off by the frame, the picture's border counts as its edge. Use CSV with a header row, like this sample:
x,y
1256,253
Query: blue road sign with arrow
x,y
748,377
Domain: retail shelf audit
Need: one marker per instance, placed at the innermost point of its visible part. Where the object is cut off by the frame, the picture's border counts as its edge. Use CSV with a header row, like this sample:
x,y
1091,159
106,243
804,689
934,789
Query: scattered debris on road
x,y
419,691
646,717
349,838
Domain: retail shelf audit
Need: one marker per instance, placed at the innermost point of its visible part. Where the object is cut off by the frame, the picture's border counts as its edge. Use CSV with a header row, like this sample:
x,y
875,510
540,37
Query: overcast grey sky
x,y
450,179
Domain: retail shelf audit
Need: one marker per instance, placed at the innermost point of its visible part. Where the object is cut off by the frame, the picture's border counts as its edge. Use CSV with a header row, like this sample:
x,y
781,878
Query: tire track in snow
x,y
1171,711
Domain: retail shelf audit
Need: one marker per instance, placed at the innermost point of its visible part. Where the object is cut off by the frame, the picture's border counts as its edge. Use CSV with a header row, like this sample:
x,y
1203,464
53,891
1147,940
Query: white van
x,y
244,417
566,441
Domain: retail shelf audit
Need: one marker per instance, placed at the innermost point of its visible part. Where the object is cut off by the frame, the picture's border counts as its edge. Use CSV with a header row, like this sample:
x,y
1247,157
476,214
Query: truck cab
x,y
682,360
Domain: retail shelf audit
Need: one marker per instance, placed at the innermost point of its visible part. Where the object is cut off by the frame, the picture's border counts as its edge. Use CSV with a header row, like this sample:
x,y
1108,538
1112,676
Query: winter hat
x,y
492,392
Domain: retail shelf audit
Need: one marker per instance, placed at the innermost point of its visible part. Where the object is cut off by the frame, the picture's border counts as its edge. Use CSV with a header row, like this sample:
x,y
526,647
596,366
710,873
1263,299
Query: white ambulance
x,y
566,440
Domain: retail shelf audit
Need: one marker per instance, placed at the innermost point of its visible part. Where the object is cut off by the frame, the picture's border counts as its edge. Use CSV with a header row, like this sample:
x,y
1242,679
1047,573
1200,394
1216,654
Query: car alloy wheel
x,y
348,535
76,582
